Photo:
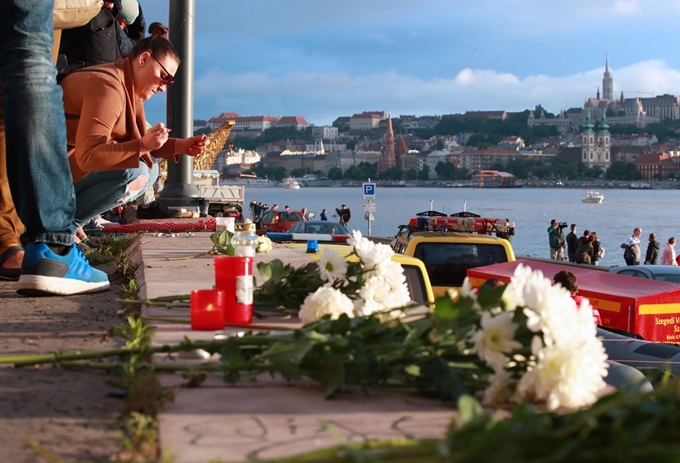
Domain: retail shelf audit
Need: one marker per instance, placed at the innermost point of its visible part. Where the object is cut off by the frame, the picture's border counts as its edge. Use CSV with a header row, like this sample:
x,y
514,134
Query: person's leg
x,y
37,161
11,254
99,192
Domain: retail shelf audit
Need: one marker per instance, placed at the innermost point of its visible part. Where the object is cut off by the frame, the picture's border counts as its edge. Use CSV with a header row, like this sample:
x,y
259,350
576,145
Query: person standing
x,y
598,249
584,251
632,248
572,243
344,214
556,240
324,215
653,250
669,257
37,159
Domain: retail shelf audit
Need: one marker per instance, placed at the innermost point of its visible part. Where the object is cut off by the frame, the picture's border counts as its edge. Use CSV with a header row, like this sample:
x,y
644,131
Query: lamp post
x,y
179,188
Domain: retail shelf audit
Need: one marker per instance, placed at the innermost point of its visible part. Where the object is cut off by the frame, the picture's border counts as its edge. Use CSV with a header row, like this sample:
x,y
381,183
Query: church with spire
x,y
596,144
387,159
637,111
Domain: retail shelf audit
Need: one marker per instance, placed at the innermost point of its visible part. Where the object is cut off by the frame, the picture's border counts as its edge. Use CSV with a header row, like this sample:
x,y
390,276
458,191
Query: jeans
x,y
37,160
99,192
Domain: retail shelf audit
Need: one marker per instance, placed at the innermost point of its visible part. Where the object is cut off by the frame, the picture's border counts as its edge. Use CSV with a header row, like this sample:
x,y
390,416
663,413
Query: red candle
x,y
234,275
207,309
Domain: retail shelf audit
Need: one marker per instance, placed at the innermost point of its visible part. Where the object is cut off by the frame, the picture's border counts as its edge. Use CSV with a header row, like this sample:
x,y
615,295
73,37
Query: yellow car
x,y
448,255
416,276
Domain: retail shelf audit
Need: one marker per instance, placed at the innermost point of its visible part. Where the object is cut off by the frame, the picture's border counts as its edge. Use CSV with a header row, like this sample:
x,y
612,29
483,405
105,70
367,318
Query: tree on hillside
x,y
445,170
424,173
335,173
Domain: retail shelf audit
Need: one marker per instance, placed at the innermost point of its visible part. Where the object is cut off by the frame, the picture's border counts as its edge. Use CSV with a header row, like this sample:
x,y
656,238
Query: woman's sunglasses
x,y
169,79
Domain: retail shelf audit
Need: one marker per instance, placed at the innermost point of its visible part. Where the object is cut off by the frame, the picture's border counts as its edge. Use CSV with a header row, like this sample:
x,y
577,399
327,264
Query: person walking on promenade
x,y
572,243
632,248
653,250
556,240
598,249
669,257
37,161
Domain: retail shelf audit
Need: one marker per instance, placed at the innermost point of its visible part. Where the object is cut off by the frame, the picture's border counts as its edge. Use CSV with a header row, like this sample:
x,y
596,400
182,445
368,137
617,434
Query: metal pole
x,y
179,189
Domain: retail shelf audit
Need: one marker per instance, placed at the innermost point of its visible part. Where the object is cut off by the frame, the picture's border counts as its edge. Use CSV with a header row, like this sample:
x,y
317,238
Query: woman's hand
x,y
194,146
155,137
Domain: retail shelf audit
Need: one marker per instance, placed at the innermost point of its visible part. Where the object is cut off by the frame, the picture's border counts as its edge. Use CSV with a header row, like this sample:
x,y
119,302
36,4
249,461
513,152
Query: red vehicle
x,y
279,221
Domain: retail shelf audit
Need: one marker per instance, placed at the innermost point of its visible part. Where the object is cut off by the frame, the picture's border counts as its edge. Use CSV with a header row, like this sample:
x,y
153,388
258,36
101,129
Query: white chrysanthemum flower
x,y
325,301
377,295
362,246
566,378
499,390
496,338
393,273
467,290
332,266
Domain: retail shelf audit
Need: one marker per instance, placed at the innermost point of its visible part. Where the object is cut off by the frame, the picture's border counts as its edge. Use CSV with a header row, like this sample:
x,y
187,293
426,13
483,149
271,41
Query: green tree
x,y
335,173
353,173
395,173
301,172
445,170
411,174
424,173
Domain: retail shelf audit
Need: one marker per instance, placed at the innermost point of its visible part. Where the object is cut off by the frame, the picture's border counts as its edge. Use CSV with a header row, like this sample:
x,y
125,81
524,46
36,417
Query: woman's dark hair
x,y
567,280
157,28
156,46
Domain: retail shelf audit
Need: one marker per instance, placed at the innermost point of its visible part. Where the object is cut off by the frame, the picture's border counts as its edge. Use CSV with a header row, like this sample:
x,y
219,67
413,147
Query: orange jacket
x,y
105,121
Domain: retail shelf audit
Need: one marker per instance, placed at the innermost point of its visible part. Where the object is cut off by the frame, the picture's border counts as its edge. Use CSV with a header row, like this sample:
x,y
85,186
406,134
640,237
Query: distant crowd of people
x,y
587,248
258,208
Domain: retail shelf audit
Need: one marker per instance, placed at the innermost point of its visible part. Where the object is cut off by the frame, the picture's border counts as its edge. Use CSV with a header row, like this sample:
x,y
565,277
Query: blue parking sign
x,y
369,190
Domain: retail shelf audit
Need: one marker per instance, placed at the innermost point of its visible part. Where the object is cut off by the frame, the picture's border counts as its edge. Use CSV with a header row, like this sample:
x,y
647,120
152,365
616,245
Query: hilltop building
x,y
622,111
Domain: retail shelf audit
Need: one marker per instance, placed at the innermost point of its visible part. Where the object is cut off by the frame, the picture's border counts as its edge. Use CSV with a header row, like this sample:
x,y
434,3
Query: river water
x,y
531,209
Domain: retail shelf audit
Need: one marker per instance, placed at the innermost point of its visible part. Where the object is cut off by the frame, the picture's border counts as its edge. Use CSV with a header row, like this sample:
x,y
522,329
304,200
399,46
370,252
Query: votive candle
x,y
207,309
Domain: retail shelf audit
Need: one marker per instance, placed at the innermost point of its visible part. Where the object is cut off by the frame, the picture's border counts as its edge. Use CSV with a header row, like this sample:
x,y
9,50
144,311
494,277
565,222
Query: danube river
x,y
531,209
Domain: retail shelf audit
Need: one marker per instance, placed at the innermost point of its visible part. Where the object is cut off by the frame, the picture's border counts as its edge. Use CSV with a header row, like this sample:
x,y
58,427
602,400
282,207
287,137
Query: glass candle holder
x,y
207,309
234,275
245,240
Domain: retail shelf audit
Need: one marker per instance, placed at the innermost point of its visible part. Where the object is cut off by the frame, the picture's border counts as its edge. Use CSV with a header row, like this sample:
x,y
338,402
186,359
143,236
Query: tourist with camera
x,y
344,214
631,253
556,239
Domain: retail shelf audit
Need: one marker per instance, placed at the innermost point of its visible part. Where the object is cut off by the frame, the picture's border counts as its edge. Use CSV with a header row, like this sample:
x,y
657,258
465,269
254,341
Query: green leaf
x,y
445,309
469,409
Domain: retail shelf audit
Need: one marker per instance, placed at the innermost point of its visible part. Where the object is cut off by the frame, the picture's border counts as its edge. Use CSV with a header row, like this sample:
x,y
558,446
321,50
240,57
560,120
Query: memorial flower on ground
x,y
375,284
546,352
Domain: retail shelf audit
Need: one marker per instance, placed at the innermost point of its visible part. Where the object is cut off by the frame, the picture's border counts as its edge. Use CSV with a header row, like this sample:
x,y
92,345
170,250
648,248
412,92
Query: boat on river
x,y
289,183
592,197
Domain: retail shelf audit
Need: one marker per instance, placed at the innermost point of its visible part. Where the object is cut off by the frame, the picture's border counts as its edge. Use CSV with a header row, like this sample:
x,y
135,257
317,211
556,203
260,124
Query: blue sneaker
x,y
46,273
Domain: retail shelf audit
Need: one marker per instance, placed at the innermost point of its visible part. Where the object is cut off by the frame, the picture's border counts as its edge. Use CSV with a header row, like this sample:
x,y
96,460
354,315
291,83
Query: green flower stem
x,y
186,345
212,251
393,451
184,321
163,367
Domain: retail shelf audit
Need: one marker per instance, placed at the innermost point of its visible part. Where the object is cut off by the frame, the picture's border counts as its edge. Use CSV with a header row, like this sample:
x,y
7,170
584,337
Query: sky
x,y
322,59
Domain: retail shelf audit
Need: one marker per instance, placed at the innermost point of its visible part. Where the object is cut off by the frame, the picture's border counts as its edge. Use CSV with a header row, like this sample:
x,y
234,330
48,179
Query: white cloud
x,y
322,96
